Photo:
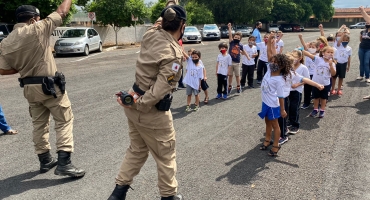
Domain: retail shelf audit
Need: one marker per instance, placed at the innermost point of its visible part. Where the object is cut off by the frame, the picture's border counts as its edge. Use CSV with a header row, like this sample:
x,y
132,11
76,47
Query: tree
x,y
290,10
322,9
7,8
198,13
117,13
156,10
240,11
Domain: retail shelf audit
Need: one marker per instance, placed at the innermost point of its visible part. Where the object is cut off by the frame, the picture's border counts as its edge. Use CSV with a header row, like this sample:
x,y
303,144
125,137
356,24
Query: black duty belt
x,y
31,80
138,90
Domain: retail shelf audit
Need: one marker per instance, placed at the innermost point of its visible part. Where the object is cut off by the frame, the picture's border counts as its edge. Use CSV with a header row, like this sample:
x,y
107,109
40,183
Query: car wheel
x,y
57,55
100,47
355,27
218,39
86,51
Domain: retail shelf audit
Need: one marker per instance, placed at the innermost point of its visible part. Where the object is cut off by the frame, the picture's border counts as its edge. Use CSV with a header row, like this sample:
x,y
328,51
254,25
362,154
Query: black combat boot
x,y
65,167
176,197
46,162
119,192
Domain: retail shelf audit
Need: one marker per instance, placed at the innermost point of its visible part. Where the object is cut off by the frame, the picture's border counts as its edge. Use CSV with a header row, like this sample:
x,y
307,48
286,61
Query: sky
x,y
337,3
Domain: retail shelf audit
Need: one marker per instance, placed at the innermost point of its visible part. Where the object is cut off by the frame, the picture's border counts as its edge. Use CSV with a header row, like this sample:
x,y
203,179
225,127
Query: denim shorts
x,y
270,113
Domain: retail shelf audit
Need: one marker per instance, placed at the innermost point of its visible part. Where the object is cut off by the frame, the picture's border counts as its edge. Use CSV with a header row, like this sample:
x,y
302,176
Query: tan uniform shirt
x,y
27,50
158,69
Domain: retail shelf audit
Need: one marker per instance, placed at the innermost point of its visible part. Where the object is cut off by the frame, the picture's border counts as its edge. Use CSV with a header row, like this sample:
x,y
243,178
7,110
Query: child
x,y
193,77
236,49
262,63
279,42
223,65
248,62
343,58
324,70
295,95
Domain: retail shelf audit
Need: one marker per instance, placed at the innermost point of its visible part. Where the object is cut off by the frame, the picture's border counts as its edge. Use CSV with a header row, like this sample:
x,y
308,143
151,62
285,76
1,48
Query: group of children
x,y
312,70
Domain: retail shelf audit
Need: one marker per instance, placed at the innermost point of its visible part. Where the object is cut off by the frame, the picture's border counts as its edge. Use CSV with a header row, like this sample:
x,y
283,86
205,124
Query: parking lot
x,y
217,147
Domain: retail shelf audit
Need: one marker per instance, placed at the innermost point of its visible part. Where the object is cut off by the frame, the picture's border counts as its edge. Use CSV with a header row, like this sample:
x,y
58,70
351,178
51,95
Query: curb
x,y
111,48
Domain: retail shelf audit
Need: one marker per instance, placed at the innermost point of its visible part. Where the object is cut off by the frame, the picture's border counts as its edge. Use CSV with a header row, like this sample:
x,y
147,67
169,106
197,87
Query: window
x,y
95,33
348,19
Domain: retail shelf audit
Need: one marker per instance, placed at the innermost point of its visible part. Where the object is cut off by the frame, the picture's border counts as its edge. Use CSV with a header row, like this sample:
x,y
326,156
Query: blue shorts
x,y
270,113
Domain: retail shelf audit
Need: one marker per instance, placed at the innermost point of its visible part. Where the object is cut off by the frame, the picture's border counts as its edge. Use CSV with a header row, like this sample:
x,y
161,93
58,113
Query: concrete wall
x,y
125,35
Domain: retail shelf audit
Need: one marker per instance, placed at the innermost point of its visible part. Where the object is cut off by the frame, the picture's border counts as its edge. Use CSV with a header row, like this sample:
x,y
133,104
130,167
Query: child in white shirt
x,y
262,62
248,62
193,77
223,66
324,70
279,42
343,58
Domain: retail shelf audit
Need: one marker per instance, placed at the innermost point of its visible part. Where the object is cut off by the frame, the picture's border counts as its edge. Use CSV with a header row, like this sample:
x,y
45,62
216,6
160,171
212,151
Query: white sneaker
x,y
368,80
359,78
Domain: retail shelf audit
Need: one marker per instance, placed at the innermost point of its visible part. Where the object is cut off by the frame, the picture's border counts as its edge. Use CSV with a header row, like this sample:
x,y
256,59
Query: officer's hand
x,y
120,103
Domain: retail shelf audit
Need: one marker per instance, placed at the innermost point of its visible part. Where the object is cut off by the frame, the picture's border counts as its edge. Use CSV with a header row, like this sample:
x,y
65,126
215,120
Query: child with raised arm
x,y
248,62
324,70
193,77
343,58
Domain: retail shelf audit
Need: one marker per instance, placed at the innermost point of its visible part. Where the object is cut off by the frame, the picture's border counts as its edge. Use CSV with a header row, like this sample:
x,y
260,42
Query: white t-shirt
x,y
263,51
310,65
322,73
272,88
250,51
193,74
302,71
279,44
342,54
294,78
223,64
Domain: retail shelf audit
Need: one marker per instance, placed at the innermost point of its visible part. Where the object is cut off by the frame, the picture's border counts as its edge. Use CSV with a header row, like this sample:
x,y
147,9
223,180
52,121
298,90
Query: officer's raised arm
x,y
63,8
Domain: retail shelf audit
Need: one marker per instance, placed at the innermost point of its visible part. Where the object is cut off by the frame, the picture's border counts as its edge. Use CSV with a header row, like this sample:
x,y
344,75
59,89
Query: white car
x,y
78,40
191,34
211,31
358,25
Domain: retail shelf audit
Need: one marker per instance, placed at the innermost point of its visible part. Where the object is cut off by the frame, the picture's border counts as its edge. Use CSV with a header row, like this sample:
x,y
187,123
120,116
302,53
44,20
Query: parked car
x,y
246,31
210,31
302,28
358,25
296,27
191,34
273,28
285,27
78,40
5,29
225,31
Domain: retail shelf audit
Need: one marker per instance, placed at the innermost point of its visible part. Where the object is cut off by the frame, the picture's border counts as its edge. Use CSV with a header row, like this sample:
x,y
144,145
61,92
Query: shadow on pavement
x,y
248,167
362,107
356,83
21,183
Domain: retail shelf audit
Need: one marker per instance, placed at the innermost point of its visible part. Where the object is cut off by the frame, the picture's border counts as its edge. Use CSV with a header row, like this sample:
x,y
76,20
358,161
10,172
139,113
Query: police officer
x,y
26,51
150,127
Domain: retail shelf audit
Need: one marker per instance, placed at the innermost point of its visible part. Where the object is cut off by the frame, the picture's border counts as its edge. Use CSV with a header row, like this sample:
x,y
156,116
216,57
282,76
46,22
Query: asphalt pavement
x,y
218,152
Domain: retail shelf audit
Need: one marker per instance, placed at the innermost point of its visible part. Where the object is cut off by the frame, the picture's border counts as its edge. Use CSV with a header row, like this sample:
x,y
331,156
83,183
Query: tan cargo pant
x,y
161,144
60,109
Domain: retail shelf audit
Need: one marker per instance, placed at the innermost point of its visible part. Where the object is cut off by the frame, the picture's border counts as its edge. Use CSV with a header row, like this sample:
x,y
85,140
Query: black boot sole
x,y
49,166
71,174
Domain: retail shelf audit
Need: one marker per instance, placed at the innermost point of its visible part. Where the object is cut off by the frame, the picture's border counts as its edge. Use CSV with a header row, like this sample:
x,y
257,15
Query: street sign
x,y
134,19
92,16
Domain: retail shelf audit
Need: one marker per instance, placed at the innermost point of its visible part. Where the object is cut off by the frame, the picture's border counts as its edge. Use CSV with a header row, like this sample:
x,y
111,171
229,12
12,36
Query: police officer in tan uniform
x,y
27,51
151,127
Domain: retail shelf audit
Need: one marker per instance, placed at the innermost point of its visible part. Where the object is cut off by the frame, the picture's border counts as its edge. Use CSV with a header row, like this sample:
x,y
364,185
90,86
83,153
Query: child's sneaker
x,y
188,109
314,113
218,96
288,124
283,140
259,82
305,106
225,96
322,114
293,130
196,108
238,90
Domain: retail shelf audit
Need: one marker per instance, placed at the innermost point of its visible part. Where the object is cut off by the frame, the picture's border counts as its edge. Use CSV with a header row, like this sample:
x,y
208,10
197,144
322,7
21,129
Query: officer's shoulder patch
x,y
175,67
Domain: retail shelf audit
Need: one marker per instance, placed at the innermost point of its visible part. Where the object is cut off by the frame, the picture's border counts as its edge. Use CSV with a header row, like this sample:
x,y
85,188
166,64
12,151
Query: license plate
x,y
192,38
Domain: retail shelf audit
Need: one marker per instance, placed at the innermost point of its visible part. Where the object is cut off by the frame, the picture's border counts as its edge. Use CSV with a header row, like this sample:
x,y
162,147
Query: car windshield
x,y
273,25
241,27
191,29
210,28
74,33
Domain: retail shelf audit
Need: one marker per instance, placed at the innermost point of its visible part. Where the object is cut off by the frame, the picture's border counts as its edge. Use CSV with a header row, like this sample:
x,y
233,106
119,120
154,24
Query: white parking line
x,y
87,57
202,43
138,52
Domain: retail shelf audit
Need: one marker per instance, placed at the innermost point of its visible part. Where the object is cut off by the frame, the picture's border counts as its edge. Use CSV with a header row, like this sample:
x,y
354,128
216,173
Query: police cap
x,y
173,11
27,9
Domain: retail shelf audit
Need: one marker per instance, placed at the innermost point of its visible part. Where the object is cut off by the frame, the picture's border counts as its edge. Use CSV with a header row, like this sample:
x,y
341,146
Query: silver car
x,y
191,34
358,25
211,31
78,40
